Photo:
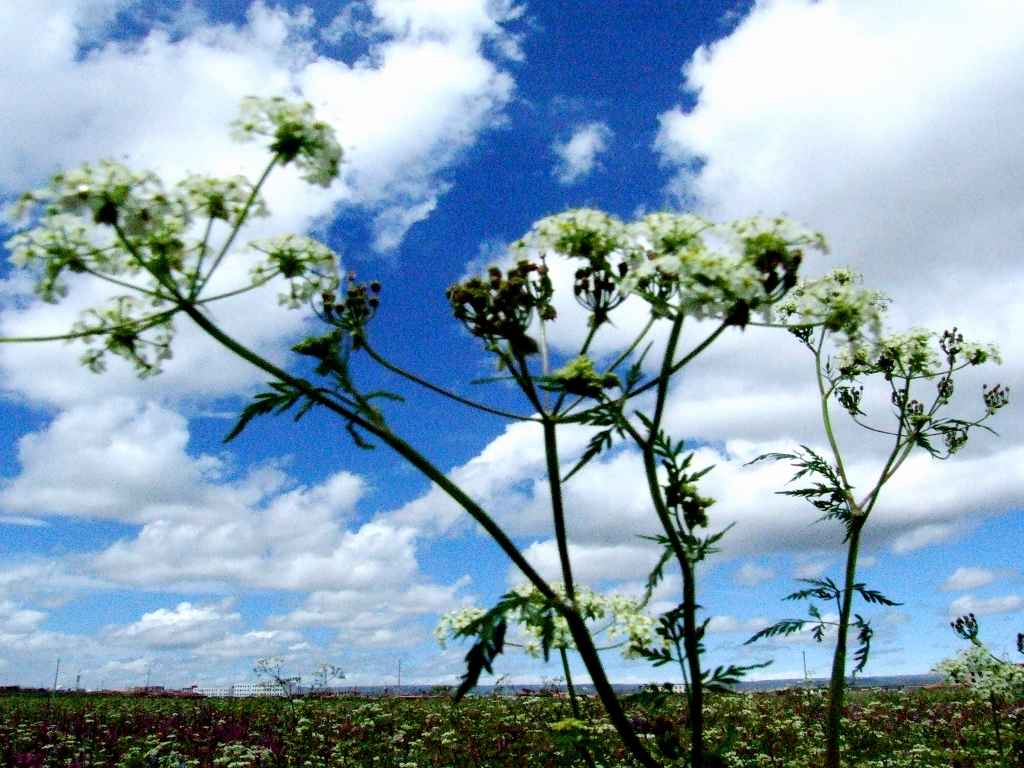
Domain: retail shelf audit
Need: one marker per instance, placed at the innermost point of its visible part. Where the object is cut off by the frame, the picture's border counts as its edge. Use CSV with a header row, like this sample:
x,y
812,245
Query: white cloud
x,y
725,623
405,113
185,626
752,575
811,570
985,606
967,577
577,156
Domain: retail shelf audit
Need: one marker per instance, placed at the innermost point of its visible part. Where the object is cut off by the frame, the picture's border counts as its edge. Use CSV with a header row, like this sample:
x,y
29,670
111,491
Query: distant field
x,y
913,729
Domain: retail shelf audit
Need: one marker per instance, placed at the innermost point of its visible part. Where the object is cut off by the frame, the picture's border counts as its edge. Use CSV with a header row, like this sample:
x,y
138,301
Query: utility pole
x,y
806,680
149,669
78,681
56,674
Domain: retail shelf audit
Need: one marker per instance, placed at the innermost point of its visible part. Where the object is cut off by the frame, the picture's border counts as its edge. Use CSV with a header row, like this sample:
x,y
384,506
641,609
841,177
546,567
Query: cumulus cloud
x,y
405,113
577,155
752,575
184,626
199,526
968,577
985,606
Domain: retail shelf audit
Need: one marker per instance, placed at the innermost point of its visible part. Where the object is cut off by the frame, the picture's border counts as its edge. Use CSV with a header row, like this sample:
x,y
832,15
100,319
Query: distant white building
x,y
241,690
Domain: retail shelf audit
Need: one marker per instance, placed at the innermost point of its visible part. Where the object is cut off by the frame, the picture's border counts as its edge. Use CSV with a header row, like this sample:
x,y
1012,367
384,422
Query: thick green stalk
x,y
577,627
557,508
837,684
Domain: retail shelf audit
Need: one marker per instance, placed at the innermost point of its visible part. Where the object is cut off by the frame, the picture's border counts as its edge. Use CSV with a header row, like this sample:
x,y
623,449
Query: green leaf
x,y
482,654
864,636
783,628
264,403
874,596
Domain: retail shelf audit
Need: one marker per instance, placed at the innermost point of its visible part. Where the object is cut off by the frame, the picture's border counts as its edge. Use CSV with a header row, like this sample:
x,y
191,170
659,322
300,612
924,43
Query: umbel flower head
x,y
295,136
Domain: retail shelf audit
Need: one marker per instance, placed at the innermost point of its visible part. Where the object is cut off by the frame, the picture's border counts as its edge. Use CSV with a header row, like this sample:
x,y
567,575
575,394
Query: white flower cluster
x,y
309,266
128,329
714,266
454,622
580,233
295,136
984,673
710,267
839,303
914,353
622,618
227,199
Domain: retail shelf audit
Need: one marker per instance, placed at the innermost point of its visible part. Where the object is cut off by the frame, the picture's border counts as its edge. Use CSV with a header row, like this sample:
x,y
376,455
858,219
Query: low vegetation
x,y
895,729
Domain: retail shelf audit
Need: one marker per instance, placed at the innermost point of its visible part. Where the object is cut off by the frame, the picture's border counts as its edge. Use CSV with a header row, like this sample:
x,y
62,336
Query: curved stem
x,y
383,361
123,284
577,627
202,280
654,382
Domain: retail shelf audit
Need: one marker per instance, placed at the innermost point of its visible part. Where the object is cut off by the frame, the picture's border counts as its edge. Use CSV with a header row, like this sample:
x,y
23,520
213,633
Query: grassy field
x,y
917,729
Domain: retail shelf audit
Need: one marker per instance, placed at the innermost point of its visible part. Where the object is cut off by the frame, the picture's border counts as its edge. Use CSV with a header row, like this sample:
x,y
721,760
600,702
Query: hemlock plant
x,y
155,246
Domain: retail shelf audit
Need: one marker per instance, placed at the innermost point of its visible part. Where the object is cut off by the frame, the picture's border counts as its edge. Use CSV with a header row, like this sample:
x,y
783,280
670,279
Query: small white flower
x,y
296,136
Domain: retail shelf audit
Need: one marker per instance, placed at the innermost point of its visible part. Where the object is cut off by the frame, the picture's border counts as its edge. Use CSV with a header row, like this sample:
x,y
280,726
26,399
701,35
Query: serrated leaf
x,y
784,627
874,596
864,636
263,403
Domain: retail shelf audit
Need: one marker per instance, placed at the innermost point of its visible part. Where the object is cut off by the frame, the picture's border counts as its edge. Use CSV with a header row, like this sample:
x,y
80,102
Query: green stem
x,y
656,382
557,508
837,684
574,703
568,683
383,361
577,627
199,281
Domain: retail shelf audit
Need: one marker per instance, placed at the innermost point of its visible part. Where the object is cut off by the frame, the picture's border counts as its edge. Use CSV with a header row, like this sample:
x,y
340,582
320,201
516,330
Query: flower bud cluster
x,y
995,397
850,398
502,306
358,306
296,136
578,377
309,266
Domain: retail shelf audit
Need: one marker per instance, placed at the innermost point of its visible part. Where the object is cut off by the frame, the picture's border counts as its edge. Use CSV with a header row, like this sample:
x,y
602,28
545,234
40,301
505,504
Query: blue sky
x,y
133,540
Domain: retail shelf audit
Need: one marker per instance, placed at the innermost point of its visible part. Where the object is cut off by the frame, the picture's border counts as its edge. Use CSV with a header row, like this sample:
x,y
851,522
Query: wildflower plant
x,y
154,244
840,324
994,679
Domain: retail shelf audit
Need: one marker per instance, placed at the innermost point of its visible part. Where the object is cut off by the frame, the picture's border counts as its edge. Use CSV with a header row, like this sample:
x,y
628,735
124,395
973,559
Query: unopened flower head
x,y
296,136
